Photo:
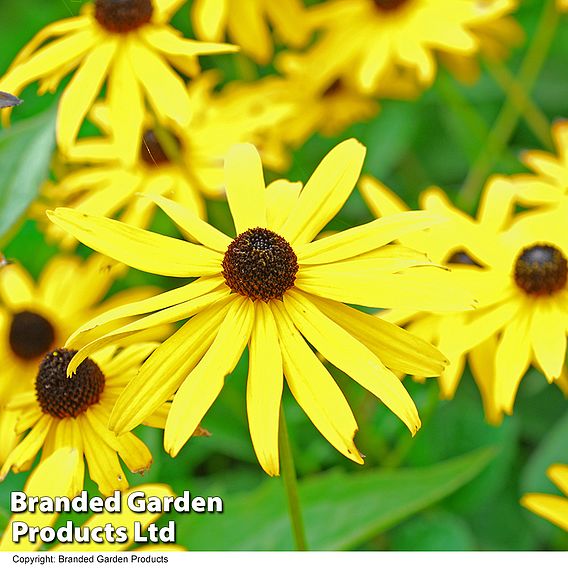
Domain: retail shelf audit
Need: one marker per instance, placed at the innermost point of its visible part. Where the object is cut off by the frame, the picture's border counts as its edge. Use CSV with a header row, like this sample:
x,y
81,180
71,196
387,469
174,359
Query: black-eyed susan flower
x,y
36,317
274,289
548,182
247,24
74,411
554,508
53,477
127,43
109,181
370,41
516,267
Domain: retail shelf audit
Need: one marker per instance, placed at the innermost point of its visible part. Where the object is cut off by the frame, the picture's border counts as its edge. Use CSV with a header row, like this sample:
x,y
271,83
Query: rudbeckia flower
x,y
36,317
128,42
369,41
548,184
516,267
109,181
553,508
73,411
274,289
53,477
247,24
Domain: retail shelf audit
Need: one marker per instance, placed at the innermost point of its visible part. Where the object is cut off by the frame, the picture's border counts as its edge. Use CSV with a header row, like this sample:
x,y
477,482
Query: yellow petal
x,y
364,238
264,388
281,195
314,388
135,247
380,200
248,29
512,360
67,433
209,18
52,478
552,507
126,107
352,357
166,368
204,383
146,305
394,346
325,193
17,289
187,220
165,90
79,95
559,475
548,336
244,182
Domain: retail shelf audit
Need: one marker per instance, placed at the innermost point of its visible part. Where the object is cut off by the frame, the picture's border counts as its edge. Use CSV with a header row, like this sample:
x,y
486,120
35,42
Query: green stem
x,y
509,116
534,117
290,480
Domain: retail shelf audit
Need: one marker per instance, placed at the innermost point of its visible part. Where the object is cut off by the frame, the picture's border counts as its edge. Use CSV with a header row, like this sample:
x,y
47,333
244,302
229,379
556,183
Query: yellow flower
x,y
552,507
516,267
275,289
74,411
548,185
128,42
193,166
373,41
247,24
53,477
562,5
36,317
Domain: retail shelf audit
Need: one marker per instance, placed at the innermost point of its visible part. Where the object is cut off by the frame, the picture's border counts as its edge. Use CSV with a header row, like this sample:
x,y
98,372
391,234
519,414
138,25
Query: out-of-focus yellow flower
x,y
517,270
276,289
73,411
247,24
128,42
53,477
190,167
554,508
562,5
374,41
548,184
36,317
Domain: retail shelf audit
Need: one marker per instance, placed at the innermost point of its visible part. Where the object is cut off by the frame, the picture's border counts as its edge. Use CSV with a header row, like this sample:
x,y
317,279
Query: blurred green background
x,y
456,485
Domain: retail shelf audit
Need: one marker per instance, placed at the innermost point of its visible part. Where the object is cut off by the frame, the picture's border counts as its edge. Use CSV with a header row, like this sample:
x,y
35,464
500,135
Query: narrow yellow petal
x,y
281,196
364,238
188,221
248,29
380,200
548,337
264,388
352,357
136,247
167,299
79,95
204,383
244,182
67,433
395,347
314,388
167,368
209,19
165,90
17,289
325,193
552,507
168,42
559,475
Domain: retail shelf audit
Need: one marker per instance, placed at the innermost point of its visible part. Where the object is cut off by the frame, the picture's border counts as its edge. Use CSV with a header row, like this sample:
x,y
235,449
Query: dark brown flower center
x,y
63,396
462,257
122,16
260,264
541,270
152,152
389,5
31,335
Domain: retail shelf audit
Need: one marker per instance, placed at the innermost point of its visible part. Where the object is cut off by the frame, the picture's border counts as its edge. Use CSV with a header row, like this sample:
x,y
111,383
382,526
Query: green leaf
x,y
433,530
25,155
340,510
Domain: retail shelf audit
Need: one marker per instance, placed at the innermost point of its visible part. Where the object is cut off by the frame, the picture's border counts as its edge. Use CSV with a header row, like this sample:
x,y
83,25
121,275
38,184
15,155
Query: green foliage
x,y
25,155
